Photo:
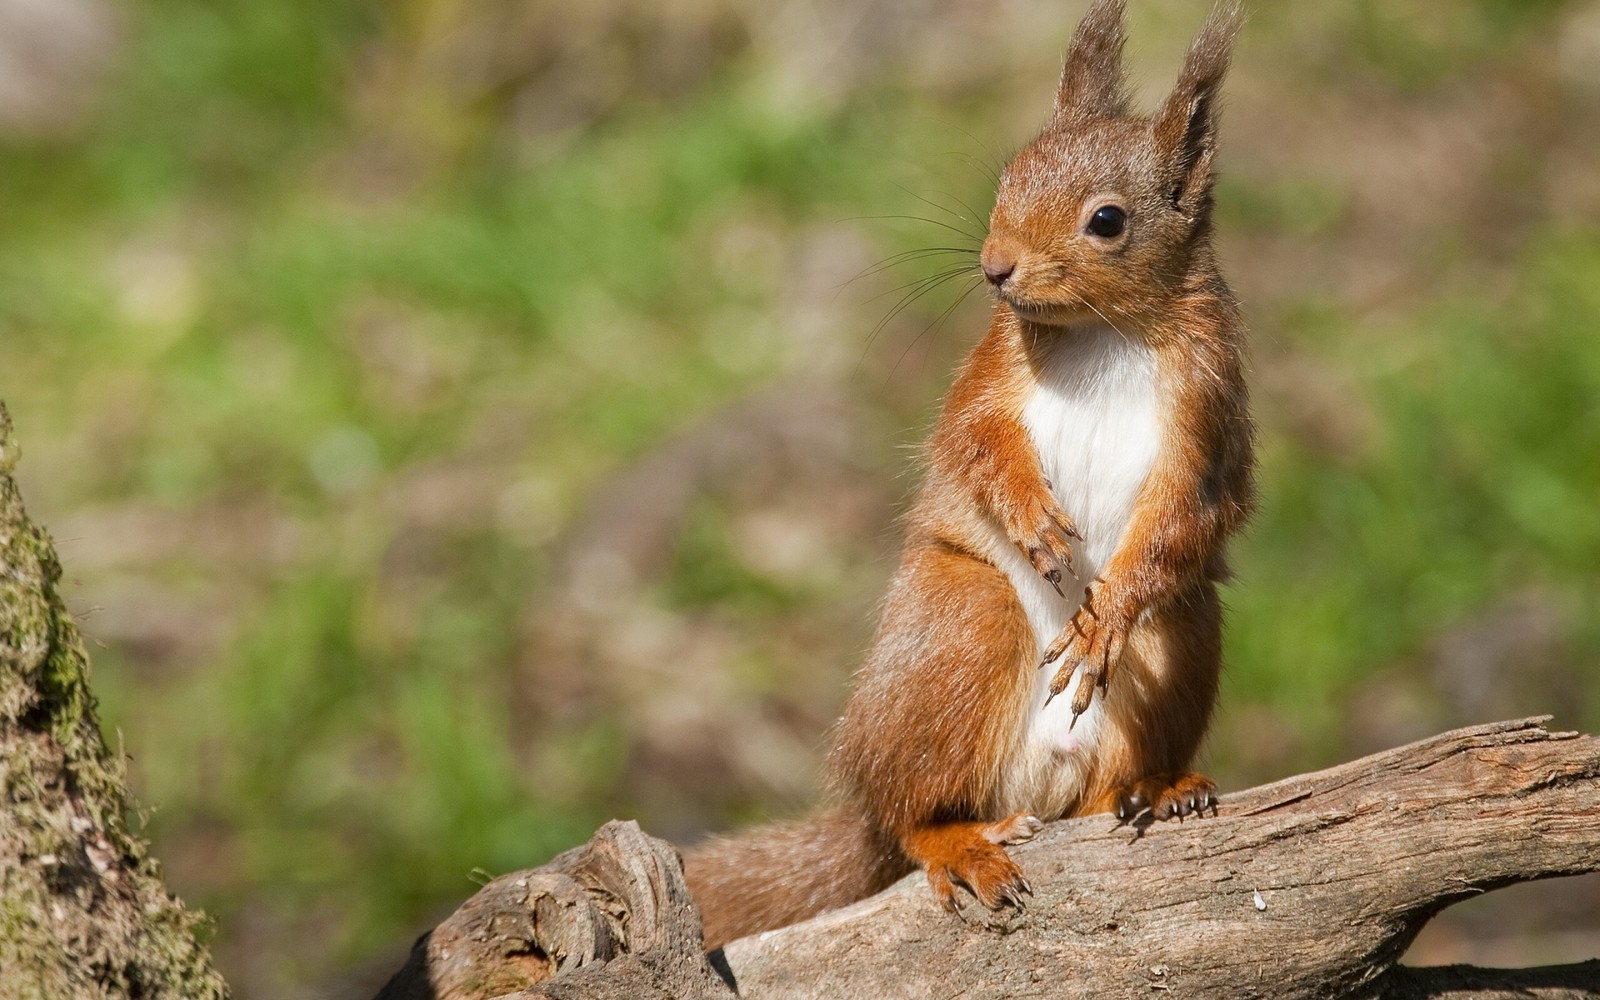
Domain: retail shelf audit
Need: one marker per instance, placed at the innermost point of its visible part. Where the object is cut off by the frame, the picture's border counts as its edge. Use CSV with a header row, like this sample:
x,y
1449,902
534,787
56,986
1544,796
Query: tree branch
x,y
1312,887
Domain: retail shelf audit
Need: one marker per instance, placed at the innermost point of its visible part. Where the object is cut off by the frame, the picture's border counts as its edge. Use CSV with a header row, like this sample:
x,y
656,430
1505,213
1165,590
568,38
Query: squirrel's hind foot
x,y
1164,796
973,856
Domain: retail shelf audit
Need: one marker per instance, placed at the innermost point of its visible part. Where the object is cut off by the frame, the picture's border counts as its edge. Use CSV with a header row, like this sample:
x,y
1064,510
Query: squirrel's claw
x,y
1095,675
1162,797
944,890
972,856
1044,533
1050,565
1091,641
1085,693
1058,683
1058,648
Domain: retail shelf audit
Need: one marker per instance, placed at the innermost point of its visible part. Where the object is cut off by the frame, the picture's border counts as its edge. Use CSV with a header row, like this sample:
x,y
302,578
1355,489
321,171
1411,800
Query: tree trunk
x,y
1312,887
83,910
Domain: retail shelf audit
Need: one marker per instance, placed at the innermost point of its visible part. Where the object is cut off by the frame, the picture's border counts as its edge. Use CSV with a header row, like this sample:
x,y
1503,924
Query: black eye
x,y
1107,222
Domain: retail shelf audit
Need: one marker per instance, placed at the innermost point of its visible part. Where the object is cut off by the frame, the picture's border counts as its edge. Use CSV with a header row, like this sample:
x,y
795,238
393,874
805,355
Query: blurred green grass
x,y
1478,482
321,389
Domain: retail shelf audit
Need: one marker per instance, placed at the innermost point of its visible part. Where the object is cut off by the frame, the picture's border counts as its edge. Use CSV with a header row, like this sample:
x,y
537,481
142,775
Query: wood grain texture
x,y
1312,887
609,919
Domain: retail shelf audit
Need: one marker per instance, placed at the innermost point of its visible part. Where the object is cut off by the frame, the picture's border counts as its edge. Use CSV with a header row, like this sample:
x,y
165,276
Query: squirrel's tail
x,y
777,875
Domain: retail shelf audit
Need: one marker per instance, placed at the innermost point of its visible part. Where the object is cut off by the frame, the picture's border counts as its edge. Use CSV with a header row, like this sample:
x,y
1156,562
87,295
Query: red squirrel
x,y
1091,461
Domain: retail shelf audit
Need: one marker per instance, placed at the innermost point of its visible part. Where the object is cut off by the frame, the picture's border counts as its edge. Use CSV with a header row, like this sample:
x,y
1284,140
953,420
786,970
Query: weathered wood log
x,y
610,919
1312,887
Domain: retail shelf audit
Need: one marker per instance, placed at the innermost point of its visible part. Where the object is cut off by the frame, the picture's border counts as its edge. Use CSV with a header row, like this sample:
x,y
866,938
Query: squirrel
x,y
1096,442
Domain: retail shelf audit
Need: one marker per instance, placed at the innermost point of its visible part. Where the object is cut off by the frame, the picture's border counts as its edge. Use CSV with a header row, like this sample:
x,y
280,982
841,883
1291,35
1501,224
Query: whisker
x,y
969,208
911,218
990,173
991,166
1090,306
937,276
937,324
899,307
905,256
946,210
919,288
972,215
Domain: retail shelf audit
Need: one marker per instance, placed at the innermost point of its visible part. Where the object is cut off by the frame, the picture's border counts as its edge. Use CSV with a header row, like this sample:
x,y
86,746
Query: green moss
x,y
85,912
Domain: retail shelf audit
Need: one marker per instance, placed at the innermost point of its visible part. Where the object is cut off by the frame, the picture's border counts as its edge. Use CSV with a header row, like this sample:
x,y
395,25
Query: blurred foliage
x,y
456,431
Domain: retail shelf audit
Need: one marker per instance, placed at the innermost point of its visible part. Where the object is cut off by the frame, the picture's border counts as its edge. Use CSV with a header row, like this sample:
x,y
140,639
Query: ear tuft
x,y
1093,80
1186,125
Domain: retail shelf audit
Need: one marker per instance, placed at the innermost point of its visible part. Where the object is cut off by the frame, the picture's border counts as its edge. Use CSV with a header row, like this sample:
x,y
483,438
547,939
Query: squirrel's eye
x,y
1107,222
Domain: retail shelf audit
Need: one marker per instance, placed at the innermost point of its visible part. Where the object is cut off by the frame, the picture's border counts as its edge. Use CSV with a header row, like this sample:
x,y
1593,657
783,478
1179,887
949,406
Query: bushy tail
x,y
777,875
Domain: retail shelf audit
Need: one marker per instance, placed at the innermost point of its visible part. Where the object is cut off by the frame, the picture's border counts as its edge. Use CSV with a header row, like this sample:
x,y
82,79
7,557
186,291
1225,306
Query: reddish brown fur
x,y
972,854
940,708
1166,685
789,871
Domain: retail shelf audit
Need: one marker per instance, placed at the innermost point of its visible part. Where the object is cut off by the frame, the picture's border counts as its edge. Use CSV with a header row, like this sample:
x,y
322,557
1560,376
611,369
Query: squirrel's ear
x,y
1186,125
1092,80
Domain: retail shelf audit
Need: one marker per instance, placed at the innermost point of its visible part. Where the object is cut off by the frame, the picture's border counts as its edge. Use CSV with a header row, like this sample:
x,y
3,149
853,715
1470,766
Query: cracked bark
x,y
1311,887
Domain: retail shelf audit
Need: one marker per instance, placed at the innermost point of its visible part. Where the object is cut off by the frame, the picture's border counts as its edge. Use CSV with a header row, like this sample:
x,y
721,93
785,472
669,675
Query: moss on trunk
x,y
83,909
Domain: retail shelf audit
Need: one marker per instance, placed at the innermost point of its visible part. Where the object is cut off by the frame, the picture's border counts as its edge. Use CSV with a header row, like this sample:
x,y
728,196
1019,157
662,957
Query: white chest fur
x,y
1095,420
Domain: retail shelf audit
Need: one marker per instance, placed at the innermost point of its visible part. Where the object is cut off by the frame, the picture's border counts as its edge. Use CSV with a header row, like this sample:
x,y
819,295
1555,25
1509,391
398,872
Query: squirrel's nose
x,y
998,265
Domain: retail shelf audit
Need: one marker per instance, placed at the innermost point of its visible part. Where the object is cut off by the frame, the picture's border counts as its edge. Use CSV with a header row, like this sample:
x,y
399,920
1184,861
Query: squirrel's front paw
x,y
1093,638
1044,532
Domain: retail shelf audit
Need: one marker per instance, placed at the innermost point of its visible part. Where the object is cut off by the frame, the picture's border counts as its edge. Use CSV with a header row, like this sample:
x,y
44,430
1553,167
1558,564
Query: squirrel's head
x,y
1104,211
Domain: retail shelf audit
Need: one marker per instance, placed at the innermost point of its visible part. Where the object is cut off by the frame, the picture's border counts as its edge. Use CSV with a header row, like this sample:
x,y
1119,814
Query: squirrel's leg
x,y
937,712
1157,711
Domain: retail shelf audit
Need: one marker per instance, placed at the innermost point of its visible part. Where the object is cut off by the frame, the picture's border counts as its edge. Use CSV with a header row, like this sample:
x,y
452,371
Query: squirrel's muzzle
x,y
998,262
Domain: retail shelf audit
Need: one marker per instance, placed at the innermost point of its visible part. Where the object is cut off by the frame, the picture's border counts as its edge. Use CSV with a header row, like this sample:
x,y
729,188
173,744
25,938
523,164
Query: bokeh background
x,y
463,421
